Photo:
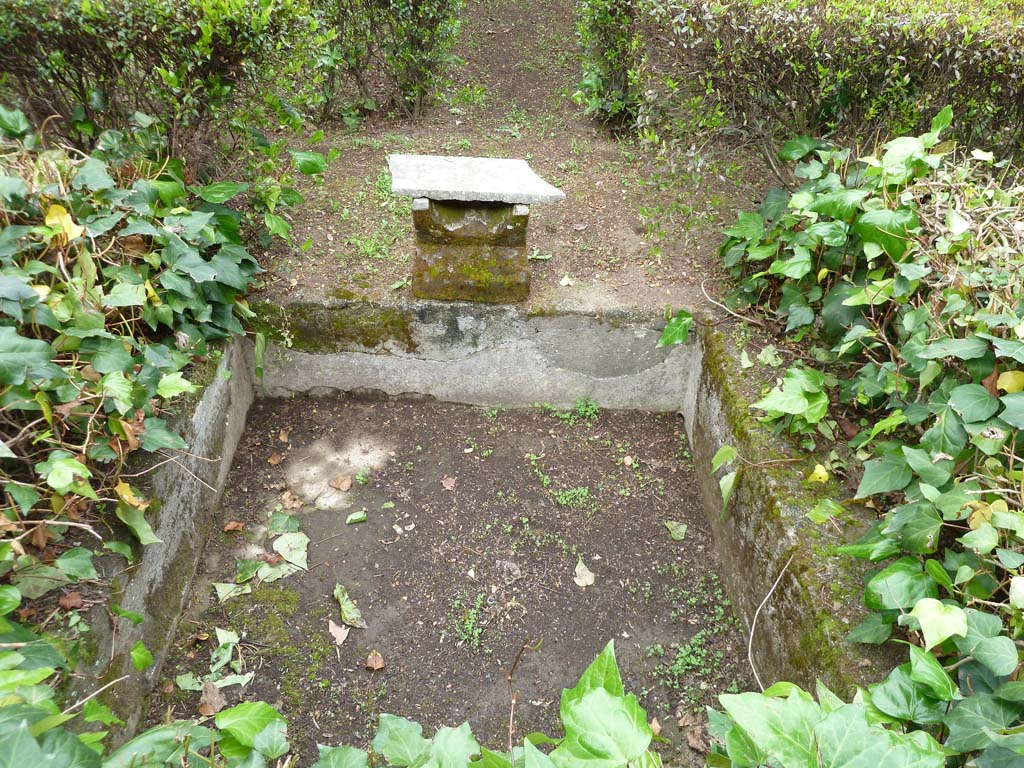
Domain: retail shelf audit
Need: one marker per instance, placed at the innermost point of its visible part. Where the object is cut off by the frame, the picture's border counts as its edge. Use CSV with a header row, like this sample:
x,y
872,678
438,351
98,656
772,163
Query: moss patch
x,y
326,329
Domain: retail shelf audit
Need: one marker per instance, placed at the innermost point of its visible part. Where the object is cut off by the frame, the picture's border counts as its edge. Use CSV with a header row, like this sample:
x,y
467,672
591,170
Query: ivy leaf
x,y
998,654
10,599
926,670
245,721
797,148
782,728
1006,347
972,716
885,474
36,580
159,745
899,586
309,163
920,534
271,741
349,612
276,225
889,229
534,758
724,455
603,673
602,731
947,435
141,657
726,486
840,204
220,192
677,330
1013,409
292,547
92,174
157,436
65,474
748,226
173,384
134,518
19,356
874,630
981,540
13,122
973,402
451,748
901,697
845,739
341,757
76,563
400,741
969,348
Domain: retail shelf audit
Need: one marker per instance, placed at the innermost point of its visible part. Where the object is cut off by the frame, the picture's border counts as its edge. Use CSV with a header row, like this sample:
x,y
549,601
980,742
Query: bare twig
x,y
94,694
753,624
737,315
513,696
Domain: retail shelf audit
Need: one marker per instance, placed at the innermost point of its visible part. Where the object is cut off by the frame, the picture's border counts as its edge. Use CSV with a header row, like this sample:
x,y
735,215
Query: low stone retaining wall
x,y
186,493
496,355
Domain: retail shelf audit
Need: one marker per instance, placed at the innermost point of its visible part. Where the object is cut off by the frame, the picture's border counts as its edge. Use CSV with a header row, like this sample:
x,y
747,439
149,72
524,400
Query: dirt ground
x,y
631,231
476,523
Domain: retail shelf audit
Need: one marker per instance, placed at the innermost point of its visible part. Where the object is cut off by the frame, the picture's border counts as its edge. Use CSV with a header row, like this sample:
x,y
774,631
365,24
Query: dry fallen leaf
x,y
283,435
71,601
40,536
695,738
584,577
275,458
212,701
290,501
338,633
991,382
341,482
233,525
655,726
448,483
688,720
375,661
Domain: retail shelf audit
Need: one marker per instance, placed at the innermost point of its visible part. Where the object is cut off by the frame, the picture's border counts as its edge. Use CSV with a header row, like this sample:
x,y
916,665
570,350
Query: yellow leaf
x,y
44,405
819,475
127,495
58,218
821,274
981,513
1011,381
154,299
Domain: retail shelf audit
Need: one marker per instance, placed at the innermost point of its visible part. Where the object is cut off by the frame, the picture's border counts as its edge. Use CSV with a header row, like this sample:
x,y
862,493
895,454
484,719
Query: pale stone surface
x,y
469,179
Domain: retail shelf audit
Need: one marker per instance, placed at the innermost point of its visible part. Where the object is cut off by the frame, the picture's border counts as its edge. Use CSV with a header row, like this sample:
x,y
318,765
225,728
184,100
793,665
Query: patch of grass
x,y
474,95
586,409
574,498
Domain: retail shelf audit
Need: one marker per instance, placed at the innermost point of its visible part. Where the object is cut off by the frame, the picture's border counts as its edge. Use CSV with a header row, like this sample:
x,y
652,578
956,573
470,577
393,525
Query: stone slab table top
x,y
469,179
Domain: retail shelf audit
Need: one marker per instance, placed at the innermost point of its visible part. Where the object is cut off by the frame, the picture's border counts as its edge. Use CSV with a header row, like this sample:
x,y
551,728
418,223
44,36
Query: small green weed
x,y
466,621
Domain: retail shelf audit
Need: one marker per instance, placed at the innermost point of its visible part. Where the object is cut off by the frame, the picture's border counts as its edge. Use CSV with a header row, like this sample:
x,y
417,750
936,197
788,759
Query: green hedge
x,y
853,69
94,63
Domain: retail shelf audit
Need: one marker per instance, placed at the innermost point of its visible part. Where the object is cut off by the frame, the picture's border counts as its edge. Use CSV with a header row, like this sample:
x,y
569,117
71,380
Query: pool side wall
x,y
501,356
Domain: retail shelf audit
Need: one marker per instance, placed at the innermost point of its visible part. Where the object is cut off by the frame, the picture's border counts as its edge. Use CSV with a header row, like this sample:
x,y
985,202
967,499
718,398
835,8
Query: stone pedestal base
x,y
470,251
